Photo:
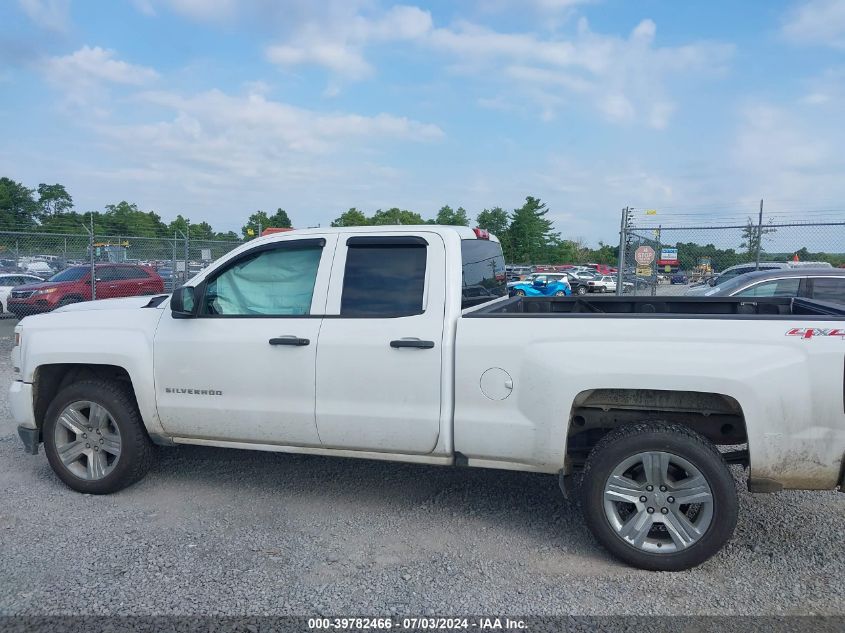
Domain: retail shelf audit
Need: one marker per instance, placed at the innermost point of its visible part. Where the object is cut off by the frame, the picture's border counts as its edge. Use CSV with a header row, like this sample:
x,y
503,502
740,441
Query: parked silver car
x,y
823,284
703,288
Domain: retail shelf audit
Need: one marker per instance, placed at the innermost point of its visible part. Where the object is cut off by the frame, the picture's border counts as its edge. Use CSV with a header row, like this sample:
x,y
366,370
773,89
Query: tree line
x,y
526,233
50,209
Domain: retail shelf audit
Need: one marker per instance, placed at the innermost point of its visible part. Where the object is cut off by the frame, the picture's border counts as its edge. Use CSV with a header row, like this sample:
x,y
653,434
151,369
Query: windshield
x,y
730,275
70,274
729,285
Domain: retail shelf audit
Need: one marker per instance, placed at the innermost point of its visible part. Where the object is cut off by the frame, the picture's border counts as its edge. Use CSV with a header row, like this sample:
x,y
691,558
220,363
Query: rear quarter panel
x,y
790,388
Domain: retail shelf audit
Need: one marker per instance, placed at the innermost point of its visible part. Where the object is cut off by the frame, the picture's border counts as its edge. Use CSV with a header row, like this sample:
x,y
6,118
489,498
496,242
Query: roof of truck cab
x,y
464,232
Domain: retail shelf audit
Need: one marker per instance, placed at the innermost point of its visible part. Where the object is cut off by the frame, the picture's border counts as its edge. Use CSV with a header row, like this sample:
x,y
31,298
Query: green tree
x,y
495,221
18,208
126,218
351,217
256,223
279,220
53,200
530,233
448,216
396,216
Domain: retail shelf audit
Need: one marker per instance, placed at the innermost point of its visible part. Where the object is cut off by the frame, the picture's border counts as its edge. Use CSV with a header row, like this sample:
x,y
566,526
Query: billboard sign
x,y
668,257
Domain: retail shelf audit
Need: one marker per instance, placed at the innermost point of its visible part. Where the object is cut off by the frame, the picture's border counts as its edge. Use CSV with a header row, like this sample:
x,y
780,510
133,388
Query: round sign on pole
x,y
644,255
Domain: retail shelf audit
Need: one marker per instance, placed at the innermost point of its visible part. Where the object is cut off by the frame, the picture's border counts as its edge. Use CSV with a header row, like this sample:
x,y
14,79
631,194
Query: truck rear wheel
x,y
659,496
94,437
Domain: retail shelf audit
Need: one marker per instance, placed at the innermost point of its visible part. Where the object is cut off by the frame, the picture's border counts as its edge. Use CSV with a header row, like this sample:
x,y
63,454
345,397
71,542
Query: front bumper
x,y
22,309
20,402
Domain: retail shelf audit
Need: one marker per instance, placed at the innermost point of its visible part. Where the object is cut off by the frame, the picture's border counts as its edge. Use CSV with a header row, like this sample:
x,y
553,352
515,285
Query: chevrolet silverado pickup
x,y
400,343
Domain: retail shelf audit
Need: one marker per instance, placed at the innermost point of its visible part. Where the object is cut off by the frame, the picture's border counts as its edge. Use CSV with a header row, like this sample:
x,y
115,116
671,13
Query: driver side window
x,y
274,281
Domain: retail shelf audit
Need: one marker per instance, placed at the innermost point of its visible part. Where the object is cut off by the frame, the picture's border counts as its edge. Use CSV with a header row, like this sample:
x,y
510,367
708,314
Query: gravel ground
x,y
213,531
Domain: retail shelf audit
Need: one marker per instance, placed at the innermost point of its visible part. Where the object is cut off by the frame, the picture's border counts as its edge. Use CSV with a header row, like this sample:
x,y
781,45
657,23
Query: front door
x,y
244,368
379,360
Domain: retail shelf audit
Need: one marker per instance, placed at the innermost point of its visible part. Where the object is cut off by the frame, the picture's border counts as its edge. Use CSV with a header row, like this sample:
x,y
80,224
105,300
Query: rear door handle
x,y
289,340
411,342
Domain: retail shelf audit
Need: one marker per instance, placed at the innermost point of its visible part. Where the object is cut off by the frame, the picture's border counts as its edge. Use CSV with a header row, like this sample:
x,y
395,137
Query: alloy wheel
x,y
658,502
87,440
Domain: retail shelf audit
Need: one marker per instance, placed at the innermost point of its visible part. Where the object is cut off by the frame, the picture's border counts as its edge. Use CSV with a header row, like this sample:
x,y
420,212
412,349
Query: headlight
x,y
45,291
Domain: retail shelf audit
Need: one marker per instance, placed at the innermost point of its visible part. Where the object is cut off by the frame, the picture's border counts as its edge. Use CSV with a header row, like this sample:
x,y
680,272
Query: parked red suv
x,y
74,284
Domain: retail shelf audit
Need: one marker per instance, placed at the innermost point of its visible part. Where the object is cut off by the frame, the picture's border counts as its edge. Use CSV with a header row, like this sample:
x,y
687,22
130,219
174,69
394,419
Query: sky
x,y
217,108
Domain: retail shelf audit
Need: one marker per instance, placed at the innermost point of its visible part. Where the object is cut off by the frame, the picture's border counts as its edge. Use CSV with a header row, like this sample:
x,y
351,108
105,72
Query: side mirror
x,y
183,303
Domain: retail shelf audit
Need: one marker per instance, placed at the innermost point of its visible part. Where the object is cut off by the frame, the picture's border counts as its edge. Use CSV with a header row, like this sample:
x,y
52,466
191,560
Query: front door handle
x,y
289,340
411,342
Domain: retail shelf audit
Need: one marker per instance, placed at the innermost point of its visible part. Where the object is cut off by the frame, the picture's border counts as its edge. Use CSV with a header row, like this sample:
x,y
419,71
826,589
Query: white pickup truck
x,y
400,343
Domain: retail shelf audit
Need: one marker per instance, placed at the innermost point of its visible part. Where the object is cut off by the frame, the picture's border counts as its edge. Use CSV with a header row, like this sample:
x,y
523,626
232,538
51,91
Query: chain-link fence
x,y
673,258
175,259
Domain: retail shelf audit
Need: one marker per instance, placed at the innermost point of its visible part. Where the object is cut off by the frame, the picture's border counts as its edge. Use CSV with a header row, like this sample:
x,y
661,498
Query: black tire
x,y
560,293
630,440
519,293
137,452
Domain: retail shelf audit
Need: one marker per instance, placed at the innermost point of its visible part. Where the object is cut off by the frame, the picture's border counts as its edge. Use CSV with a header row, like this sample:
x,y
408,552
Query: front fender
x,y
122,338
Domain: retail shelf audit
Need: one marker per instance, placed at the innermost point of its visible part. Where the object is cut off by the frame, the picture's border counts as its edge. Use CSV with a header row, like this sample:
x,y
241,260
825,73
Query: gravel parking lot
x,y
213,531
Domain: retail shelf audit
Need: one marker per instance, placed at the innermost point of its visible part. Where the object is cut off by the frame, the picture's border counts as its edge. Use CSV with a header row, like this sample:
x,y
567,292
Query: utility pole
x,y
187,248
623,242
759,236
656,265
91,254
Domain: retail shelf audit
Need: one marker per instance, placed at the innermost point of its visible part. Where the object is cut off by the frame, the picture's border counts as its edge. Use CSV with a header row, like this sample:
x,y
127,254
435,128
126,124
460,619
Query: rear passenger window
x,y
128,272
384,277
483,268
829,289
774,288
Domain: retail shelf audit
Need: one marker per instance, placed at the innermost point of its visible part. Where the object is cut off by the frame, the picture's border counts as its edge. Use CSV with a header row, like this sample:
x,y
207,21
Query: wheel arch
x,y
595,412
49,379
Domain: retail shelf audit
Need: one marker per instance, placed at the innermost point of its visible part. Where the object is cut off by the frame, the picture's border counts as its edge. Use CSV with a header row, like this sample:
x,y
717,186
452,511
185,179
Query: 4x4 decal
x,y
810,332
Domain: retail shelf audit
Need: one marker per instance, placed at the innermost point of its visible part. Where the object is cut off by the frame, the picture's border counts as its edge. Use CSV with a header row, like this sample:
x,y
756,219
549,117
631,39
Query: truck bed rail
x,y
662,307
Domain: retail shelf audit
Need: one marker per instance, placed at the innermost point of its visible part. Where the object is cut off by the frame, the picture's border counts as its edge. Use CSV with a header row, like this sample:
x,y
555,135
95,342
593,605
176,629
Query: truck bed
x,y
662,307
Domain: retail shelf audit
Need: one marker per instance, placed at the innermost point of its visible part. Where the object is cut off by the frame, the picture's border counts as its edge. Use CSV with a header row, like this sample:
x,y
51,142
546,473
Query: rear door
x,y
108,282
135,281
380,352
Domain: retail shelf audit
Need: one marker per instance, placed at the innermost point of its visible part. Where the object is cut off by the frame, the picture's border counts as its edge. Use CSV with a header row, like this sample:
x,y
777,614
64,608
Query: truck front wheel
x,y
94,437
659,496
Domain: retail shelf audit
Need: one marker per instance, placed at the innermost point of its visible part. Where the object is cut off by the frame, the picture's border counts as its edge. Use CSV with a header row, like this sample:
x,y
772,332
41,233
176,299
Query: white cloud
x,y
213,151
95,65
826,89
817,22
624,78
53,15
215,135
85,75
338,44
789,154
